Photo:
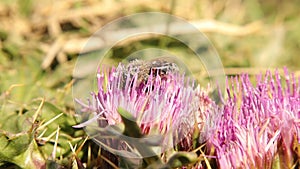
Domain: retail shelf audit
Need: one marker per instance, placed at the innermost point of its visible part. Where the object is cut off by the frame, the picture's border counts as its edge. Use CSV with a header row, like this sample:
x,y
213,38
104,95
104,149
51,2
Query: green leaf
x,y
180,159
22,150
31,158
131,127
133,130
13,145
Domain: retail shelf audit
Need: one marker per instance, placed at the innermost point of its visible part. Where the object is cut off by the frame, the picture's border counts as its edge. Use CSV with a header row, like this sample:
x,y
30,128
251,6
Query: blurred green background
x,y
40,41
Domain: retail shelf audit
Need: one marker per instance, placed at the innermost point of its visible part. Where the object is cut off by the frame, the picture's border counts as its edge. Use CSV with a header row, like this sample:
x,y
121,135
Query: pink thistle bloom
x,y
166,105
258,123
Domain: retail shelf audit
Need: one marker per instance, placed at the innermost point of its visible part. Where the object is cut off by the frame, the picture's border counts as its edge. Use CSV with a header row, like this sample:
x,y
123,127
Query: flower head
x,y
258,123
163,101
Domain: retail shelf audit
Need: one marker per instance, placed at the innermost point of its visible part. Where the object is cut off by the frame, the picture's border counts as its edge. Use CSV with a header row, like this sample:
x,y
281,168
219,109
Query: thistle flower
x,y
165,104
259,125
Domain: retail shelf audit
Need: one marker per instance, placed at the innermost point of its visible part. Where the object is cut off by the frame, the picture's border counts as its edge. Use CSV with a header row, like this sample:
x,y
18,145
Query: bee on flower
x,y
157,94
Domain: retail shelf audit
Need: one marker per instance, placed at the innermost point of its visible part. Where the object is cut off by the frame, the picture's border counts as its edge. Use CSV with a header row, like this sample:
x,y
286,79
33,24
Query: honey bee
x,y
155,67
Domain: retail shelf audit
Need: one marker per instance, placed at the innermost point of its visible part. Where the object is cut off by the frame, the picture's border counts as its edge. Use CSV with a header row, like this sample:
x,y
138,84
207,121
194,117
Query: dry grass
x,y
61,28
